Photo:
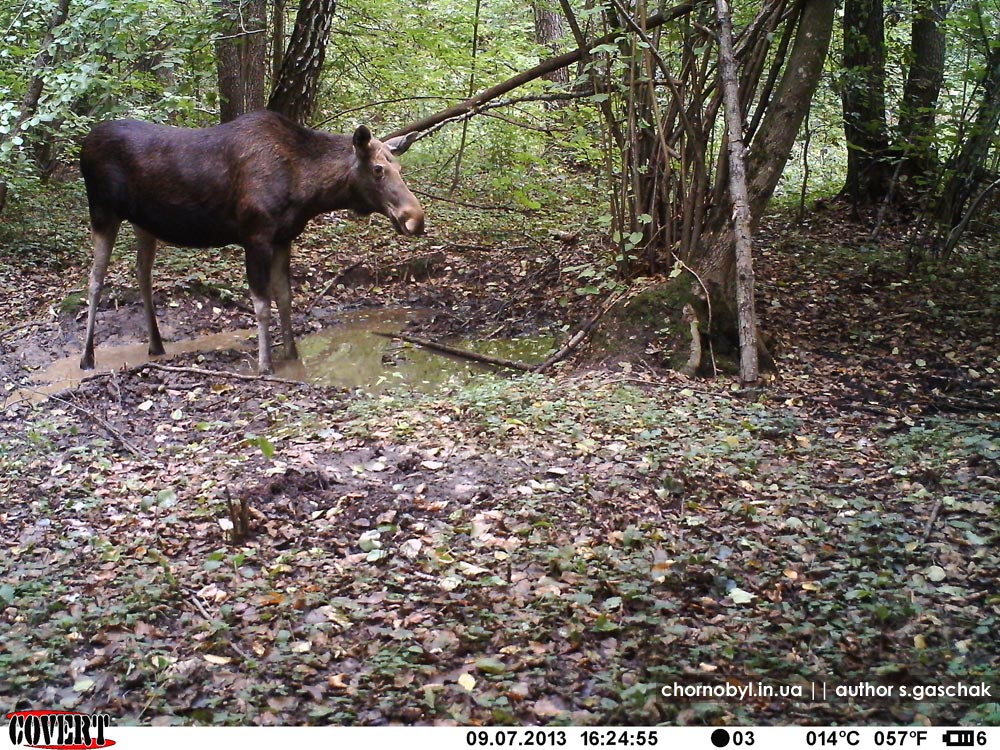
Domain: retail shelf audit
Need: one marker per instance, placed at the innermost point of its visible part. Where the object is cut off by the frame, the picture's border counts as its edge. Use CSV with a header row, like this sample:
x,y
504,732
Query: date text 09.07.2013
x,y
556,738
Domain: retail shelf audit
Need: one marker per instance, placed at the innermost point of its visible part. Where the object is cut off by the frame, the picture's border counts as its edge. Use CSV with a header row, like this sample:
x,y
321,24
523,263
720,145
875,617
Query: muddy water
x,y
346,355
352,355
66,373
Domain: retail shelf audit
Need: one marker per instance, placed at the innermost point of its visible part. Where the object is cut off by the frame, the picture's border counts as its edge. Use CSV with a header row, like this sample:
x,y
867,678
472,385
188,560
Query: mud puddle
x,y
66,373
352,354
349,354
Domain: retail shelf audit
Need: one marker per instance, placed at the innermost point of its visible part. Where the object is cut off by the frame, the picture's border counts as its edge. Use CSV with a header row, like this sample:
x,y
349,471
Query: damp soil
x,y
454,297
359,351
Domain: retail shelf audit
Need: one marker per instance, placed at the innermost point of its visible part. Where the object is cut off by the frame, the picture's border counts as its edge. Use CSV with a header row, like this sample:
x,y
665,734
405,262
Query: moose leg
x,y
145,254
281,291
258,275
104,240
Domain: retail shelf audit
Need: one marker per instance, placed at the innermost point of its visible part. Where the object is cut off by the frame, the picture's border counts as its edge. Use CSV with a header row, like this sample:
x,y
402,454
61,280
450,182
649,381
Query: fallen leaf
x,y
739,596
489,665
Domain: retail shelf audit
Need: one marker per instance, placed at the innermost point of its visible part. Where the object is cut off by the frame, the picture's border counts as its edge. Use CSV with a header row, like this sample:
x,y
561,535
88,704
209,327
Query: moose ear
x,y
362,137
399,144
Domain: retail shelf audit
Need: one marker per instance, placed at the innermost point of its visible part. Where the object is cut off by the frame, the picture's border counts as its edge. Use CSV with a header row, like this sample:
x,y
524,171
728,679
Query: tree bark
x,y
965,170
716,261
746,312
29,103
917,139
240,53
863,95
294,92
549,30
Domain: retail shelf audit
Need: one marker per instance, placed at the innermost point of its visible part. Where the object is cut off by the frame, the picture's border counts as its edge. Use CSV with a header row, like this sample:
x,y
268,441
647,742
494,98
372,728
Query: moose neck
x,y
328,178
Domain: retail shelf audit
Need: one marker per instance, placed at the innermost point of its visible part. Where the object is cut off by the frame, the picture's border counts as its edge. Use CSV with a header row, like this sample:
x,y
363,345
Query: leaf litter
x,y
545,550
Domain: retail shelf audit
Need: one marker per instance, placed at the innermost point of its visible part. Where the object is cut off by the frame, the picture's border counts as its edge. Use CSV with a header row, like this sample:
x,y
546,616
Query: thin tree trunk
x,y
746,312
29,103
474,56
277,38
294,92
965,170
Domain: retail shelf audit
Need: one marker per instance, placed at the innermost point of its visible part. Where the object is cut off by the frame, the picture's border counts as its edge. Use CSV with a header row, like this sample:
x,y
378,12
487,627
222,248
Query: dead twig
x,y
215,373
103,424
581,334
932,520
200,607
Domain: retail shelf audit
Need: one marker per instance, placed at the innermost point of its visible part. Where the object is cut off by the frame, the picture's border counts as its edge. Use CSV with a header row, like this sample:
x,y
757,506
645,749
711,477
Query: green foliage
x,y
110,58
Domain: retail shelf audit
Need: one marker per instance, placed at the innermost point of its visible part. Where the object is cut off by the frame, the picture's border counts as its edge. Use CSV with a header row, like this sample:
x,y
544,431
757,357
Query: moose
x,y
255,181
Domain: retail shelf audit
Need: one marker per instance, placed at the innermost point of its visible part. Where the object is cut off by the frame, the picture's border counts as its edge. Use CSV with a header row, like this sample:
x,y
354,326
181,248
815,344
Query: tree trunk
x,y
917,138
240,53
743,236
294,92
863,94
277,38
549,31
773,142
29,103
965,173
716,260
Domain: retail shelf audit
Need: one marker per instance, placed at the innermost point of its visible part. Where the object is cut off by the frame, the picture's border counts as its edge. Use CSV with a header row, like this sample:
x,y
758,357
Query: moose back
x,y
254,182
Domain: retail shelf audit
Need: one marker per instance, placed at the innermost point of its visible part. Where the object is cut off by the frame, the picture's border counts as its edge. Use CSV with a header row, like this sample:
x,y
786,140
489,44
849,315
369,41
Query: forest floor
x,y
186,547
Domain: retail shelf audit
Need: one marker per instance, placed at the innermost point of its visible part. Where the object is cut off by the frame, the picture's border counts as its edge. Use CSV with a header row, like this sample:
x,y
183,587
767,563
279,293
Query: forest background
x,y
799,188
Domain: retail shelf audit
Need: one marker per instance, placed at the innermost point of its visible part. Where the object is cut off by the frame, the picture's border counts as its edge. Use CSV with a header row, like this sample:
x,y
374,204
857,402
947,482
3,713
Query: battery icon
x,y
959,738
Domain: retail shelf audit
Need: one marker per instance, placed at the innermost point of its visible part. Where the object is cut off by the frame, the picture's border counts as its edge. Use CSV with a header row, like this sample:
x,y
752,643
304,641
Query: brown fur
x,y
255,182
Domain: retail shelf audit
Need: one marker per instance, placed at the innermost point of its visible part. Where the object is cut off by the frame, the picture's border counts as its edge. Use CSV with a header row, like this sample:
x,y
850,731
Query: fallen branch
x,y
547,66
931,521
14,329
215,373
573,343
103,424
580,335
456,352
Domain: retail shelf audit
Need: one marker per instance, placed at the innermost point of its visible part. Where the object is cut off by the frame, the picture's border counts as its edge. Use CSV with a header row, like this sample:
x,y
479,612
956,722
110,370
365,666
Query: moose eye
x,y
378,170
